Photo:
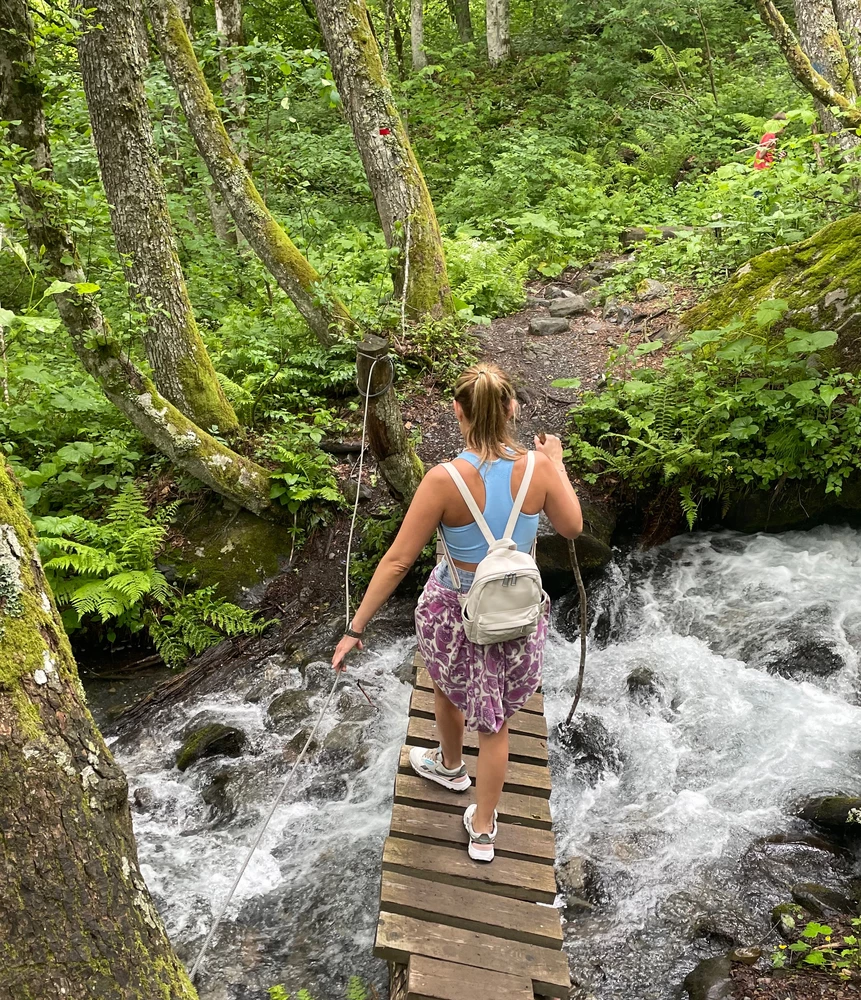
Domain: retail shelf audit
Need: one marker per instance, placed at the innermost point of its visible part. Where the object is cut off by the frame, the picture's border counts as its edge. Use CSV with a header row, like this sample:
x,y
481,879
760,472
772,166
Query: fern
x,y
689,506
356,989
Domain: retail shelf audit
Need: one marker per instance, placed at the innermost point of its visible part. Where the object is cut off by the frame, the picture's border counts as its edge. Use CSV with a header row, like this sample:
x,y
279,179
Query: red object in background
x,y
385,131
764,157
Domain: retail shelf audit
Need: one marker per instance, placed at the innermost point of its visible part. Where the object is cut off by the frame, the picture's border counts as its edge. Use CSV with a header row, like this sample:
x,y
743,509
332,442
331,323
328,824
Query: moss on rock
x,y
820,277
213,740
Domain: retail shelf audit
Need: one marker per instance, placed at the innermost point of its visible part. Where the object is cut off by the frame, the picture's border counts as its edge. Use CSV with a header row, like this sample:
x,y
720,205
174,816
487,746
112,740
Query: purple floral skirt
x,y
487,683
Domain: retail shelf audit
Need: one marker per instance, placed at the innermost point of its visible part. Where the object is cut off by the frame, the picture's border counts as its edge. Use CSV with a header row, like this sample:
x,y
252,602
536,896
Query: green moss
x,y
203,393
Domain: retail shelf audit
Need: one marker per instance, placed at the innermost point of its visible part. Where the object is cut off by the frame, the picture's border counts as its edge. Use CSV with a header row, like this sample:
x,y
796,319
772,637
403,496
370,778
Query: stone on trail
x,y
710,980
213,740
558,292
536,302
571,306
649,288
616,313
545,326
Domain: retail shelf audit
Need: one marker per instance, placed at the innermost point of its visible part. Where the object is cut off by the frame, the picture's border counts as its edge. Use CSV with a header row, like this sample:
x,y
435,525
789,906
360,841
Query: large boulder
x,y
839,814
820,277
710,980
211,740
593,546
793,504
288,710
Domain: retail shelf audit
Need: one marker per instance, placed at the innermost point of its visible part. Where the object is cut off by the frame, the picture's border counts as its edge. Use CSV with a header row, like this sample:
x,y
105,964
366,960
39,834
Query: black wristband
x,y
353,634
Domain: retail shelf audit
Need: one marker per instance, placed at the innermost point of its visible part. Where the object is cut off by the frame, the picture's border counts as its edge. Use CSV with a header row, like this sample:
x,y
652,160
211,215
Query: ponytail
x,y
486,394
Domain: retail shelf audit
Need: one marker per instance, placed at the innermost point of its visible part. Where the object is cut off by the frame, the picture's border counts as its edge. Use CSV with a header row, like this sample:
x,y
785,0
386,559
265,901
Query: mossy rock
x,y
820,277
790,919
836,813
212,740
794,504
289,709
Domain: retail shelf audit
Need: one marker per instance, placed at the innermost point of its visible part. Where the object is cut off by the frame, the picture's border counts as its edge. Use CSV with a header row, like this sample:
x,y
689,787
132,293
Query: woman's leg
x,y
490,777
449,723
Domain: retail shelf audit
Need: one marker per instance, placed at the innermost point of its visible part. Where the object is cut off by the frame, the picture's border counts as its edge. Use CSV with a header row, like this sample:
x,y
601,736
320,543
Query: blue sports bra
x,y
466,543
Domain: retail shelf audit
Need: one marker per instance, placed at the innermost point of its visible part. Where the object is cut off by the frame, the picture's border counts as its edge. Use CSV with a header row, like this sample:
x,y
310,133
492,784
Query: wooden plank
x,y
525,723
526,810
514,841
535,705
400,937
526,749
510,877
524,779
512,919
431,979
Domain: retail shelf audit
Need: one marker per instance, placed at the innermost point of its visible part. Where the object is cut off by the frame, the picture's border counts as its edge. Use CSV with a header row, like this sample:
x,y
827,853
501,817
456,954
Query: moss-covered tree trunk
x,y
417,34
113,58
460,14
848,14
400,192
325,314
819,277
498,31
808,75
820,39
76,919
190,448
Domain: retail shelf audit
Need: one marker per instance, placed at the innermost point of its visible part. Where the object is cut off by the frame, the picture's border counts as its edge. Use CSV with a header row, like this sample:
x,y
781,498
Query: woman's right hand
x,y
551,446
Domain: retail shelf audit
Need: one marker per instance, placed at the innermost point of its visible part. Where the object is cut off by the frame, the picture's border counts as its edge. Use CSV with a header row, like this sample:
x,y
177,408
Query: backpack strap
x,y
521,495
469,500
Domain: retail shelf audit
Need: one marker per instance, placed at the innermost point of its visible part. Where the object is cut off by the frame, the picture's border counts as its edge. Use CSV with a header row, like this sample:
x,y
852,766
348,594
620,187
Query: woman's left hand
x,y
346,645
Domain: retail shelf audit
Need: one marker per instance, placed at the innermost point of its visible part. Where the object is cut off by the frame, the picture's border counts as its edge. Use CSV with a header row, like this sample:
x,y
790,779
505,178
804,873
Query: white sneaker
x,y
480,844
428,763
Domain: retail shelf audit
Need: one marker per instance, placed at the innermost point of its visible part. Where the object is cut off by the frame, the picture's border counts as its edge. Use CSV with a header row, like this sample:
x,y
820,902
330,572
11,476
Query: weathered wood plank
x,y
513,841
526,749
524,779
526,810
525,723
513,919
431,979
400,937
510,877
535,705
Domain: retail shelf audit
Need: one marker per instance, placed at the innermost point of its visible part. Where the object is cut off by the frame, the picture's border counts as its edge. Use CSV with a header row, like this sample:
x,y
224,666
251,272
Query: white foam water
x,y
718,758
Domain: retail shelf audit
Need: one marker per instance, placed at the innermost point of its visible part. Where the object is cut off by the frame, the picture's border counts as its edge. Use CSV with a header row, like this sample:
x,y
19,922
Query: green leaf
x,y
814,958
566,383
830,392
56,287
770,311
648,347
803,390
6,317
87,288
44,324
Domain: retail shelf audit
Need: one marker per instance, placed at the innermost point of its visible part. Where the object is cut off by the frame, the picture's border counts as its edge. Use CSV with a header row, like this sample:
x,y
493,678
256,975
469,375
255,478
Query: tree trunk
x,y
460,14
387,436
190,448
820,279
821,42
802,69
76,918
400,192
498,37
113,57
417,34
325,314
848,13
228,23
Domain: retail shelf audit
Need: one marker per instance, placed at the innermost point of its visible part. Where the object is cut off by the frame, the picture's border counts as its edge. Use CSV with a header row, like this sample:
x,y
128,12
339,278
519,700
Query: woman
x,y
477,687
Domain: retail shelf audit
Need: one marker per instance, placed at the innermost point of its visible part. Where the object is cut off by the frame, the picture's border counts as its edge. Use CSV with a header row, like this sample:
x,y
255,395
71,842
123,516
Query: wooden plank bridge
x,y
457,929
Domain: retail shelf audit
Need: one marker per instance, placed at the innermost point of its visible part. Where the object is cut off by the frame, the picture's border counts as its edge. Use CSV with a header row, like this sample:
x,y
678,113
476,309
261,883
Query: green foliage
x,y
104,574
356,990
377,535
821,948
739,408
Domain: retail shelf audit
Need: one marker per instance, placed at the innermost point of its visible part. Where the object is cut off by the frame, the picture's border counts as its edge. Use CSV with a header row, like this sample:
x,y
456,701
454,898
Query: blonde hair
x,y
486,394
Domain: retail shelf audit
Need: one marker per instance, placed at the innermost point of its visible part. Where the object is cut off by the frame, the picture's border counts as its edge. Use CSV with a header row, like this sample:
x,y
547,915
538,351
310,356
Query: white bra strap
x,y
521,495
469,500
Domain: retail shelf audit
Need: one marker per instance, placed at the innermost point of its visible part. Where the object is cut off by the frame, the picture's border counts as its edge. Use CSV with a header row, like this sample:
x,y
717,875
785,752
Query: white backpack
x,y
506,599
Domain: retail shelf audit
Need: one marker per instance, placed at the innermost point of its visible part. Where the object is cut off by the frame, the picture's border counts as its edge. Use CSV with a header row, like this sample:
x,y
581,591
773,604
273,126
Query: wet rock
x,y
821,901
587,744
143,798
354,707
293,747
710,980
570,306
592,547
344,747
219,796
213,740
289,709
569,875
838,813
747,956
643,684
807,656
649,288
789,919
545,326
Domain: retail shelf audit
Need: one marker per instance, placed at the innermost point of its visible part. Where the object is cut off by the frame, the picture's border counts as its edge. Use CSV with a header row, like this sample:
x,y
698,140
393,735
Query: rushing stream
x,y
744,699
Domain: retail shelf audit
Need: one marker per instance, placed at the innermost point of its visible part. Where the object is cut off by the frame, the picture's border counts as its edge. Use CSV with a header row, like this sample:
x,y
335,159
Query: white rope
x,y
406,280
320,717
